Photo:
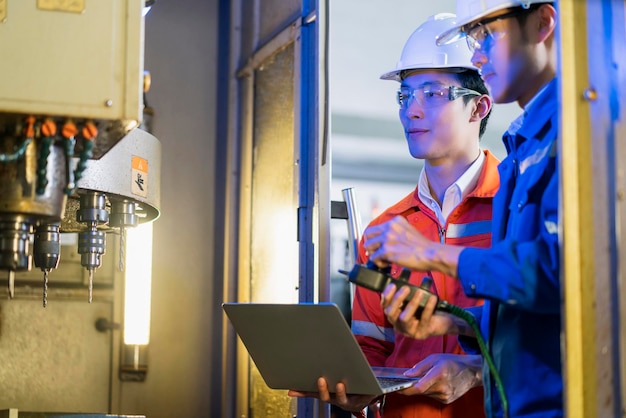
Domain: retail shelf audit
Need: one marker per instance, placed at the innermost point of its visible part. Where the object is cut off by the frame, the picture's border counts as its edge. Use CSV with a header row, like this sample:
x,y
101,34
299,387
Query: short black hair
x,y
471,80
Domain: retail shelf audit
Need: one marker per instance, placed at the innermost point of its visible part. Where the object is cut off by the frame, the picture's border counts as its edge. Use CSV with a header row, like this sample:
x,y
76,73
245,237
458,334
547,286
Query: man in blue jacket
x,y
514,47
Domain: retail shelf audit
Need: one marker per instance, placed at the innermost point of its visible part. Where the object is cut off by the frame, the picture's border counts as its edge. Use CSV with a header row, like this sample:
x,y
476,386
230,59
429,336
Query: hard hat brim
x,y
451,35
395,74
391,75
458,31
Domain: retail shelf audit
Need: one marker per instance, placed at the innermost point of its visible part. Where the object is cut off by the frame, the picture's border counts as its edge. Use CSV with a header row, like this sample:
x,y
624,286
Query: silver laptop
x,y
292,345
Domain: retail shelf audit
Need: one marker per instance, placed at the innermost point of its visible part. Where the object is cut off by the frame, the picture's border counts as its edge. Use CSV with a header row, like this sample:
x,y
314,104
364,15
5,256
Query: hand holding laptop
x,y
352,403
446,377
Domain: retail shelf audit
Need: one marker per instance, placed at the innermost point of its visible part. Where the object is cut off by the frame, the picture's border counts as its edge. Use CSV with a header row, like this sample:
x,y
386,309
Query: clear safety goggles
x,y
432,95
480,38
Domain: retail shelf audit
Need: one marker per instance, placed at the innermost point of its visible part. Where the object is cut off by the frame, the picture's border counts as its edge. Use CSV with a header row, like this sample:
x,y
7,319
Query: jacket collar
x,y
488,184
539,117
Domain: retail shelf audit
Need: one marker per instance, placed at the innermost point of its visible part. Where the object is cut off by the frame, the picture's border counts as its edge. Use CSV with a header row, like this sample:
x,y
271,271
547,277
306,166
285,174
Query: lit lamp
x,y
138,283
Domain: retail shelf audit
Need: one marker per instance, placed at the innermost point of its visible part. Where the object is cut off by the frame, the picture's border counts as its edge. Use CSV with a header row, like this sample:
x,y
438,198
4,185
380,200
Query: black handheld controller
x,y
374,278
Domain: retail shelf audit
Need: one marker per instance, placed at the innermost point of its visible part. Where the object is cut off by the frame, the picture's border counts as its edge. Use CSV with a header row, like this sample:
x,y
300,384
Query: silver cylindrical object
x,y
91,246
92,208
92,242
47,246
15,244
354,223
123,213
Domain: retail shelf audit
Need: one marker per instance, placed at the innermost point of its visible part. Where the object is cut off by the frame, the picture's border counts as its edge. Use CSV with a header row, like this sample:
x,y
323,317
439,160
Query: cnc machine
x,y
72,155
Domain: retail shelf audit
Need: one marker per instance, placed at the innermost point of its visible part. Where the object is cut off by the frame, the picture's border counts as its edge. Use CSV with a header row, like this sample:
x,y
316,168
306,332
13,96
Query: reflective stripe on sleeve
x,y
368,329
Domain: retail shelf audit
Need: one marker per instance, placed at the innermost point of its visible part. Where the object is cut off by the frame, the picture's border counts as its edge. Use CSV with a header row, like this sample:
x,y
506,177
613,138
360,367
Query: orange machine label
x,y
139,177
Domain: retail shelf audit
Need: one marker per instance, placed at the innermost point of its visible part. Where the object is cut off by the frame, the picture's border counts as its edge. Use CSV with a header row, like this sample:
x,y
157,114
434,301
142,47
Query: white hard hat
x,y
422,52
468,11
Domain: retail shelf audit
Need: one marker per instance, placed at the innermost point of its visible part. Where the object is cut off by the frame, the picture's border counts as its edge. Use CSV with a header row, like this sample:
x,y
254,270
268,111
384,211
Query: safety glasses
x,y
432,95
480,38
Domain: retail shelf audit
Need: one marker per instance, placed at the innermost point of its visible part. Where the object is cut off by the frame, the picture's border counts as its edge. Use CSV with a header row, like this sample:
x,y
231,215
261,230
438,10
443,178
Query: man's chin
x,y
418,154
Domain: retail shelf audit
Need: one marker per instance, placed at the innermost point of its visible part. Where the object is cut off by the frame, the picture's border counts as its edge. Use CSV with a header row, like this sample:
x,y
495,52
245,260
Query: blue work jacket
x,y
519,276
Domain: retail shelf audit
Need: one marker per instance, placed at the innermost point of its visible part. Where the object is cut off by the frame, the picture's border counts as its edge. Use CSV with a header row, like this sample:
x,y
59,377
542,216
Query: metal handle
x,y
354,223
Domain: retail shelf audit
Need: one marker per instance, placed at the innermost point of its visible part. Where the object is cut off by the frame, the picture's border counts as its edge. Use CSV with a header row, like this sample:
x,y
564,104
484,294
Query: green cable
x,y
69,144
9,158
85,155
469,318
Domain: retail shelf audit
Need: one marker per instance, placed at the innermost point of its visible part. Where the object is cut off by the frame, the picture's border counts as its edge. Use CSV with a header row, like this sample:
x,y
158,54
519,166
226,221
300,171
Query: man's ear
x,y
482,106
546,20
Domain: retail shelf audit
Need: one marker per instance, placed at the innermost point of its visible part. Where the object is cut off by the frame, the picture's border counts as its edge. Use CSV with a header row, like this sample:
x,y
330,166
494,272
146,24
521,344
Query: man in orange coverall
x,y
444,107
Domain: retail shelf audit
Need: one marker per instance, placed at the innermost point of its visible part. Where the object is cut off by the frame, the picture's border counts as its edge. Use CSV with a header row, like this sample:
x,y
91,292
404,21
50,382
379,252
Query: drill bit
x,y
90,285
45,287
122,248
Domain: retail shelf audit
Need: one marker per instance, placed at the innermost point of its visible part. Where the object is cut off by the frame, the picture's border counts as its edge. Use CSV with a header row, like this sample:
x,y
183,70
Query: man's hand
x,y
352,403
397,241
429,324
445,377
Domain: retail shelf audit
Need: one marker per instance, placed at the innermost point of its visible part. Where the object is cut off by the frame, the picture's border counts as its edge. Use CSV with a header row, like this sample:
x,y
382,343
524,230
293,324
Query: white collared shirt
x,y
454,193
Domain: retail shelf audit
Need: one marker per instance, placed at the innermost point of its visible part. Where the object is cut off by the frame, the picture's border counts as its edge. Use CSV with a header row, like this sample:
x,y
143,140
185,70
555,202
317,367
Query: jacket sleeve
x,y
523,273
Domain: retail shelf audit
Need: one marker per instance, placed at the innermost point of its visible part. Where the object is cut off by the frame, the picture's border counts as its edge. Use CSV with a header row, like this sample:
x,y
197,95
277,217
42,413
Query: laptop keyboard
x,y
391,382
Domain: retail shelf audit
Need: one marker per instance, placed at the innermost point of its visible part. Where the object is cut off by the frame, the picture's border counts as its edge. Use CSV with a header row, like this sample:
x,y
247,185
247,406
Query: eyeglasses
x,y
432,95
480,38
